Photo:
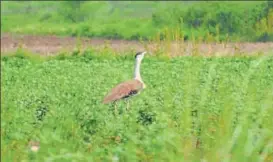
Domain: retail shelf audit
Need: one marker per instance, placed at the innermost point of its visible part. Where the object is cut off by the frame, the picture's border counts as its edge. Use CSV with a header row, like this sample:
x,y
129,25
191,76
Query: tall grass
x,y
193,109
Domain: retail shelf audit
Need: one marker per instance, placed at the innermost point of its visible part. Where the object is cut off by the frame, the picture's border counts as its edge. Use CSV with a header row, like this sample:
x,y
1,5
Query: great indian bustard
x,y
128,88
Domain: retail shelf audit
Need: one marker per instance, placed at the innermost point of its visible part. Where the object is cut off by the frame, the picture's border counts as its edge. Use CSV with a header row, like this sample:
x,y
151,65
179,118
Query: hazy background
x,y
233,21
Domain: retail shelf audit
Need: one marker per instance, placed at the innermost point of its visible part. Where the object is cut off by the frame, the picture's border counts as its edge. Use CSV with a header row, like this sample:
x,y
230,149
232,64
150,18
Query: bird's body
x,y
128,88
124,90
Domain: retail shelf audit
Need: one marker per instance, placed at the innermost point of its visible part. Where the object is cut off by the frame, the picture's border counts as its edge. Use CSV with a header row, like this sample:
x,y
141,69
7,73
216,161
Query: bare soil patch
x,y
50,45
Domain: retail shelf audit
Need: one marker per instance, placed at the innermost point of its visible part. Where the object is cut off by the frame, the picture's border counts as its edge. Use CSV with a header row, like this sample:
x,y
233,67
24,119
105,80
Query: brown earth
x,y
50,45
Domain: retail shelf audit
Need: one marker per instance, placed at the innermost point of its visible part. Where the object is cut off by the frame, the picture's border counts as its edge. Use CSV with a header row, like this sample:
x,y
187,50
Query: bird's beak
x,y
144,53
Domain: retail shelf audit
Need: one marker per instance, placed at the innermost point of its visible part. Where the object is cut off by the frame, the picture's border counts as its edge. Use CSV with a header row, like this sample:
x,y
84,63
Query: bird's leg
x,y
115,106
127,104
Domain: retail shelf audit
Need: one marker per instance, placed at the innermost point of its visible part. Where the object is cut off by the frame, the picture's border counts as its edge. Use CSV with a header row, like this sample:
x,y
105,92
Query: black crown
x,y
139,53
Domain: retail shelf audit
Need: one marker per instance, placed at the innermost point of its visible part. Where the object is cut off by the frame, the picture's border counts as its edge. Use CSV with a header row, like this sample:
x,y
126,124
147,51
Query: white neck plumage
x,y
137,70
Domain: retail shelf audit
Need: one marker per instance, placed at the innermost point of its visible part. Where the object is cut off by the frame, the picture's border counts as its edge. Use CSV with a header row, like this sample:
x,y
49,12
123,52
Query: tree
x,y
71,10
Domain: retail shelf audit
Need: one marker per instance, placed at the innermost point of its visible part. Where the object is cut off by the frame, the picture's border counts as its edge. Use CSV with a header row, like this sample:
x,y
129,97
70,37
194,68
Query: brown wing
x,y
122,90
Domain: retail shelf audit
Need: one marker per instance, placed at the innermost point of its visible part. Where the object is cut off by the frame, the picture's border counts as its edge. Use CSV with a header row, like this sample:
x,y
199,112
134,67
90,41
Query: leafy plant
x,y
193,109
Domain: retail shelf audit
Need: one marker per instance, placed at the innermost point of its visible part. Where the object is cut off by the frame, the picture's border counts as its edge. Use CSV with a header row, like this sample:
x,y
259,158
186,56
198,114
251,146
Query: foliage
x,y
241,21
193,109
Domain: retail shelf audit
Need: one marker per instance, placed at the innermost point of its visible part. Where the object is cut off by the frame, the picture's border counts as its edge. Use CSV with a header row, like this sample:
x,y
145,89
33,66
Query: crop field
x,y
208,73
193,109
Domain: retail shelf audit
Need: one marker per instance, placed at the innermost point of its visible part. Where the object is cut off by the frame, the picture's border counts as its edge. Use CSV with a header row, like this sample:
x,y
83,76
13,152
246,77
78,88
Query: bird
x,y
129,88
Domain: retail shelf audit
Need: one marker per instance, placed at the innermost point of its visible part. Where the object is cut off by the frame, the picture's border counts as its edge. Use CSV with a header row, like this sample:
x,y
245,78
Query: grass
x,y
193,109
140,20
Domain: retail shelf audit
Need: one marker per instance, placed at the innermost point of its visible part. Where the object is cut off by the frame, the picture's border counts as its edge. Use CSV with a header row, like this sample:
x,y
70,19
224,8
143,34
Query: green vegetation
x,y
213,21
193,109
224,103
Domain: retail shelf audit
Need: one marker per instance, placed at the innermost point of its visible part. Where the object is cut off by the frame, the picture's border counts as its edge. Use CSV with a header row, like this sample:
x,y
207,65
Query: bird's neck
x,y
137,70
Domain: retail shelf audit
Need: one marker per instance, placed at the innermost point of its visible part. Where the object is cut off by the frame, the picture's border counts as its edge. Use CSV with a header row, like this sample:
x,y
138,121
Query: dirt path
x,y
50,45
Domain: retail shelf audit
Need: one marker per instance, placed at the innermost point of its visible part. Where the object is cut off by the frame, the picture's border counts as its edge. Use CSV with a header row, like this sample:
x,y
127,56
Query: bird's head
x,y
140,55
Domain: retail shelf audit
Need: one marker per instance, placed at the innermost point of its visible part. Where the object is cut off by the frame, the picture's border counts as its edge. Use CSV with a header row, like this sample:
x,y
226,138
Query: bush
x,y
134,20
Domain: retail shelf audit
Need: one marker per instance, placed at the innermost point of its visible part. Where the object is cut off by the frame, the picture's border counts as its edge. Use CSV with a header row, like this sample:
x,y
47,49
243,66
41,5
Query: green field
x,y
224,103
232,21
